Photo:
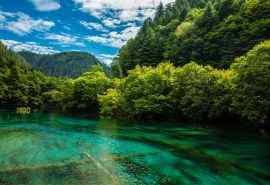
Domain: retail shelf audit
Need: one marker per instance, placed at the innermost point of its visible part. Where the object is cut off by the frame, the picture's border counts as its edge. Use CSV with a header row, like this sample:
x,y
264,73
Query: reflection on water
x,y
41,149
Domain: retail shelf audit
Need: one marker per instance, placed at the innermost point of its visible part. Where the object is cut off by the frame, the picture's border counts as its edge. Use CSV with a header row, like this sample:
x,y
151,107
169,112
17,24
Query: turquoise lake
x,y
47,149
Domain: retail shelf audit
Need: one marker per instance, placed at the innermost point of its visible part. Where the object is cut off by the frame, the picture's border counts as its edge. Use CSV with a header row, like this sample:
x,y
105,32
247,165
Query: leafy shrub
x,y
252,85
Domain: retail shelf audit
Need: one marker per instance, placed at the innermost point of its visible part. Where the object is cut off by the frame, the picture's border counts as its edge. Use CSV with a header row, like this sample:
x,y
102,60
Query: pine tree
x,y
159,16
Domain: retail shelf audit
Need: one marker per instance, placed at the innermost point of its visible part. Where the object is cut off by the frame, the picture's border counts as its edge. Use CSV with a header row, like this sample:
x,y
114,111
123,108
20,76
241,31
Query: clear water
x,y
42,149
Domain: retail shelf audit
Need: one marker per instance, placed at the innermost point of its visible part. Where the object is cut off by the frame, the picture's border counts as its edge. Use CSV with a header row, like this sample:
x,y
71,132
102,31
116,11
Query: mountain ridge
x,y
65,64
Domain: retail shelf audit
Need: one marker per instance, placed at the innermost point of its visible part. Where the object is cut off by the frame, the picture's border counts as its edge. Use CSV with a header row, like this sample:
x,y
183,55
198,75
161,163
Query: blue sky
x,y
99,27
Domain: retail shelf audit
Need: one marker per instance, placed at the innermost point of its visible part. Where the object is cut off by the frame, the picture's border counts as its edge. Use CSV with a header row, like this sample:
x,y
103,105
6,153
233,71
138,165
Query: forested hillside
x,y
210,32
67,64
22,86
194,92
19,84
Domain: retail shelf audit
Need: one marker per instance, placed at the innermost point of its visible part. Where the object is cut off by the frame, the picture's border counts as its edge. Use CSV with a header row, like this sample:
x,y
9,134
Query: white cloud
x,y
98,39
136,15
115,39
65,39
2,18
26,25
22,24
62,38
129,10
106,58
28,46
93,26
98,5
112,23
129,32
46,5
128,15
7,14
81,44
116,15
131,24
147,13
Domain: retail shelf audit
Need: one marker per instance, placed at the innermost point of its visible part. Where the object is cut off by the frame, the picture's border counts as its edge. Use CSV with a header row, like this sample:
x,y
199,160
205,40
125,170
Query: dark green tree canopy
x,y
206,31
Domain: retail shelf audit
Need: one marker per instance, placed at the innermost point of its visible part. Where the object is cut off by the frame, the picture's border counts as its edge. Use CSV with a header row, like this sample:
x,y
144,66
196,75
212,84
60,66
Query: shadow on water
x,y
52,149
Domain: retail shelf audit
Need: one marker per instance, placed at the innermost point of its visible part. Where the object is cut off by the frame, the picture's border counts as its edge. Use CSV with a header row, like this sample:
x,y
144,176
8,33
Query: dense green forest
x,y
195,61
22,86
19,84
195,92
192,92
66,64
212,32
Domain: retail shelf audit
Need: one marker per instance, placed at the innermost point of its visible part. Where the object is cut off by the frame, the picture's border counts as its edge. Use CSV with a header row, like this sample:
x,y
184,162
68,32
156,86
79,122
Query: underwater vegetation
x,y
46,149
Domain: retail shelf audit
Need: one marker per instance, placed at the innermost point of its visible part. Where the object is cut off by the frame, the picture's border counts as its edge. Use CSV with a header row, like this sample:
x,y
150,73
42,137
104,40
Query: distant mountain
x,y
66,64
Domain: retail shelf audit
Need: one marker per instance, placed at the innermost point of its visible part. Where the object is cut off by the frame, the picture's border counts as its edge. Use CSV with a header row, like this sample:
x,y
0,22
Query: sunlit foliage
x,y
252,90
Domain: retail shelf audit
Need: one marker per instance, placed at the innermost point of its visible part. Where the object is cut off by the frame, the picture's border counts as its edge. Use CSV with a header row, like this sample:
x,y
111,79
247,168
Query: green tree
x,y
201,93
87,88
221,31
111,102
159,15
143,94
20,85
251,93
